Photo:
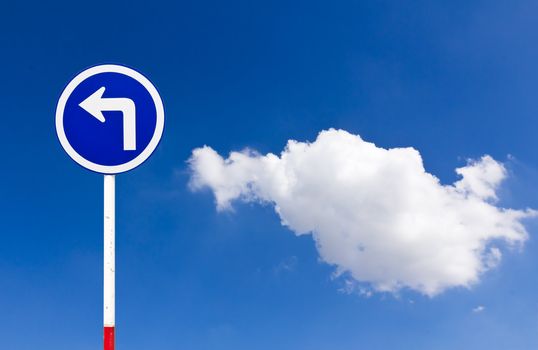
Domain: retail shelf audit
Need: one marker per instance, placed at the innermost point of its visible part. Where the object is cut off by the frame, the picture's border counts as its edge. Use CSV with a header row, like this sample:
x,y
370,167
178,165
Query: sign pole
x,y
109,262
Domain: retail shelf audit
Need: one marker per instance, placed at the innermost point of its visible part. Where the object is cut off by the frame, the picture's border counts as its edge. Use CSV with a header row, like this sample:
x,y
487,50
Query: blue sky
x,y
454,80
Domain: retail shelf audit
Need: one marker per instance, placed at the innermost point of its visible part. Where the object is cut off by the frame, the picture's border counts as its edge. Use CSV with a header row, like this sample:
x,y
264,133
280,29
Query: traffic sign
x,y
109,119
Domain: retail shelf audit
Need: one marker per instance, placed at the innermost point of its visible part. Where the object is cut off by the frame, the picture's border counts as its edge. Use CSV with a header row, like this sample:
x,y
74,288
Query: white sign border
x,y
159,127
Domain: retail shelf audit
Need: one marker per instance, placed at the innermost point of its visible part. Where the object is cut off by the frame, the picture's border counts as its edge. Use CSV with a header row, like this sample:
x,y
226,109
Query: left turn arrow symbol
x,y
95,104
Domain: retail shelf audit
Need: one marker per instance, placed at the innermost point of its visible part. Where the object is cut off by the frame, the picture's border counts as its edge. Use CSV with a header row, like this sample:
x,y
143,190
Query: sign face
x,y
109,119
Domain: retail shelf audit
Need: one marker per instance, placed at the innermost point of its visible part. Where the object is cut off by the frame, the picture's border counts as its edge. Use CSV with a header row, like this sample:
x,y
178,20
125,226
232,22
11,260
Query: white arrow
x,y
95,104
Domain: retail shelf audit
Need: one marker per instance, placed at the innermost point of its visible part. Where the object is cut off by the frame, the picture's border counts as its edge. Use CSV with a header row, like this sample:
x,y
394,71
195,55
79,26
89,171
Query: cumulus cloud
x,y
374,213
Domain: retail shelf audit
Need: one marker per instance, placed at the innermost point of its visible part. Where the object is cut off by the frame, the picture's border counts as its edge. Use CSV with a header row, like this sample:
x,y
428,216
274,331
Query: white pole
x,y
109,262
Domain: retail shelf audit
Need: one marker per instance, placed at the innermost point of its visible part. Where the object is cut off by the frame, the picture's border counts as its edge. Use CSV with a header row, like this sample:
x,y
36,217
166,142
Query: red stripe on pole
x,y
109,338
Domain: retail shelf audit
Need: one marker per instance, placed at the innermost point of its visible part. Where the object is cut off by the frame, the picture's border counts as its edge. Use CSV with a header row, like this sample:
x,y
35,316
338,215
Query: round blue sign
x,y
109,119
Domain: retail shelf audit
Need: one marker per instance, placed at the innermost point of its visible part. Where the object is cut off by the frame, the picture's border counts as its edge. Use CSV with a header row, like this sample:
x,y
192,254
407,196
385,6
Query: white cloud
x,y
479,309
374,213
481,178
287,265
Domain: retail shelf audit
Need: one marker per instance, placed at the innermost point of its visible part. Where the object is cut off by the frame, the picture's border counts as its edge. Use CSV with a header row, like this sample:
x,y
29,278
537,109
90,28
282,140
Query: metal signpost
x,y
109,119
